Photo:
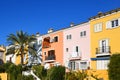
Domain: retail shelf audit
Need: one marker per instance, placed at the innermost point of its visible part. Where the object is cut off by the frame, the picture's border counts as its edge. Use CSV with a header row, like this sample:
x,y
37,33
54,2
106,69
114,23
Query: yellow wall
x,y
111,34
3,76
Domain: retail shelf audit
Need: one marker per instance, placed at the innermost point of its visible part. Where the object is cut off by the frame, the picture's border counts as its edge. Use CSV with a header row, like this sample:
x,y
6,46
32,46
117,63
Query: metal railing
x,y
104,49
51,57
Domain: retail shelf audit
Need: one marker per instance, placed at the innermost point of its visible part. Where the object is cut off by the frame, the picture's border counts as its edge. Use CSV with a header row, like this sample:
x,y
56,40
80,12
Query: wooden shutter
x,y
100,27
100,45
119,21
108,24
95,28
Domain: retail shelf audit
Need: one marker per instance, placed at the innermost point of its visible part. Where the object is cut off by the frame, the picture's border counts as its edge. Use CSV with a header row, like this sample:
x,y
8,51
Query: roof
x,y
2,49
100,14
75,25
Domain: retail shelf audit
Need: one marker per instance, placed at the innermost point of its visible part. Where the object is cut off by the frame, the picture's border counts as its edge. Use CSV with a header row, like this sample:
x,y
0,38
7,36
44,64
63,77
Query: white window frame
x,y
98,27
109,23
102,64
83,66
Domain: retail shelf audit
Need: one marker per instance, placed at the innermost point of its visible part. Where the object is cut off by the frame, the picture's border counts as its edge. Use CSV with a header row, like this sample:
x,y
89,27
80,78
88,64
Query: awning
x,y
100,58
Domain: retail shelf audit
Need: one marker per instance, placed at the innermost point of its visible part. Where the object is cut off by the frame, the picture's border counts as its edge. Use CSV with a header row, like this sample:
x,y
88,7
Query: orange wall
x,y
57,46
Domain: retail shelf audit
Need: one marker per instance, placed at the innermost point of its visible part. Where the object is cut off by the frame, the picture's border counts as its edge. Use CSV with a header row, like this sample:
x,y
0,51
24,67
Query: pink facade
x,y
77,46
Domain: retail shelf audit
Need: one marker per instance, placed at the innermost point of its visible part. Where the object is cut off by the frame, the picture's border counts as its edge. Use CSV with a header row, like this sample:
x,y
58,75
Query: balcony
x,y
75,56
103,51
46,42
50,58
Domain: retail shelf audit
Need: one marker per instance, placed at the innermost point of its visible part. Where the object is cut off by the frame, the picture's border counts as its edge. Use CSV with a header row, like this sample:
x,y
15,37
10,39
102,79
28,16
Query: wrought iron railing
x,y
104,49
51,57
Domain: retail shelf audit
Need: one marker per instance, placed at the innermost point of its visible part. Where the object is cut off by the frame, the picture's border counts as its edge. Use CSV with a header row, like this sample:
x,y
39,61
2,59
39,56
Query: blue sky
x,y
39,15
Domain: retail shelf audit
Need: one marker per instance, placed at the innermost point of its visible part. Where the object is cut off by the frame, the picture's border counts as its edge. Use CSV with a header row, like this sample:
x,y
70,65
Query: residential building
x,y
10,56
76,44
37,44
2,55
52,48
104,30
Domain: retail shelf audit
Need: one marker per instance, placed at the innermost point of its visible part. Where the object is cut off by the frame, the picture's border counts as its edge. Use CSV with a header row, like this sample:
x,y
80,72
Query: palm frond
x,y
13,39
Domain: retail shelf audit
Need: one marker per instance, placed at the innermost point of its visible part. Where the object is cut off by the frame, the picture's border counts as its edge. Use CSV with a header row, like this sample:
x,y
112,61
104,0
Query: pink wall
x,y
82,42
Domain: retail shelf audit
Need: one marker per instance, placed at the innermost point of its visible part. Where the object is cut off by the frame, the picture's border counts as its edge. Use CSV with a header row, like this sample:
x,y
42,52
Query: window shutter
x,y
107,42
76,66
100,27
95,28
119,21
108,24
100,45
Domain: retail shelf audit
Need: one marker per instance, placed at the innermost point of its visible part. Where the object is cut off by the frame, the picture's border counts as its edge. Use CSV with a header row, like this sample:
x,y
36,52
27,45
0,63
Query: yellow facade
x,y
111,34
3,76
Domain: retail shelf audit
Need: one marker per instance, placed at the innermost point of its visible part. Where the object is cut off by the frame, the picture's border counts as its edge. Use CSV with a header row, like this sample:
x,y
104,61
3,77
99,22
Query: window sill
x,y
113,27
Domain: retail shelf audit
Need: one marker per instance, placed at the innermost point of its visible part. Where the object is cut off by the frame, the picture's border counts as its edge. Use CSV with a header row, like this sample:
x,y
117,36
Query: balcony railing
x,y
104,49
74,56
51,57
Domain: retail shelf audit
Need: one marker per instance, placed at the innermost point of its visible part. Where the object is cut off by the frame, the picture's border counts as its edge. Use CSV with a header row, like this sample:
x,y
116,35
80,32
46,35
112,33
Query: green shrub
x,y
30,77
76,75
40,71
56,73
114,67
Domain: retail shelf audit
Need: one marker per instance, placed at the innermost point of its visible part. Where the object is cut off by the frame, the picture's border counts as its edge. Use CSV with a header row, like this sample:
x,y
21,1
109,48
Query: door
x,y
103,46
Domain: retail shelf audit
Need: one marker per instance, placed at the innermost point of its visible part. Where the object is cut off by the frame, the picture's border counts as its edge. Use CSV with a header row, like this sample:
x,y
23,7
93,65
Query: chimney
x,y
100,13
71,24
50,30
37,34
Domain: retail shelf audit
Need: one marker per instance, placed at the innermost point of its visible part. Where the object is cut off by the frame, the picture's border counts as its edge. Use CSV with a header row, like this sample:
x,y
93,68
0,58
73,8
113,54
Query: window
x,y
44,53
40,42
74,65
113,23
66,49
56,39
83,65
68,36
102,64
104,46
83,33
98,27
76,48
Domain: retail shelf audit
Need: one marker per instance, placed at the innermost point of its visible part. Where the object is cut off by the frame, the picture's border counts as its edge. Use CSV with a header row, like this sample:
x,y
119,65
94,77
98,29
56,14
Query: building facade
x,y
76,41
2,55
52,48
37,45
105,28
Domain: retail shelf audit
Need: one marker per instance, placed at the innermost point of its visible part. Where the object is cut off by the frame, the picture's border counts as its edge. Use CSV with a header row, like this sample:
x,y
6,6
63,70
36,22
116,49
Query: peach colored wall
x,y
57,46
82,42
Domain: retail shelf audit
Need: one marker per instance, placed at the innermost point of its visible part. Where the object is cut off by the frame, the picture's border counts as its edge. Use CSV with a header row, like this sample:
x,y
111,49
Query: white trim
x,y
47,61
103,54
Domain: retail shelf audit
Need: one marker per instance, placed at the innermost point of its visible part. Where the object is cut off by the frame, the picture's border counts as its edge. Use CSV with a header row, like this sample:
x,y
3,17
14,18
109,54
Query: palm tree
x,y
35,57
19,42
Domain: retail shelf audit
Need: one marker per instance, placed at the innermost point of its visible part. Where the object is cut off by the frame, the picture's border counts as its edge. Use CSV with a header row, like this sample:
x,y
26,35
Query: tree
x,y
76,75
56,73
14,72
114,67
19,42
40,71
35,58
